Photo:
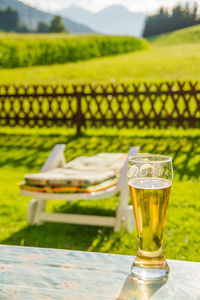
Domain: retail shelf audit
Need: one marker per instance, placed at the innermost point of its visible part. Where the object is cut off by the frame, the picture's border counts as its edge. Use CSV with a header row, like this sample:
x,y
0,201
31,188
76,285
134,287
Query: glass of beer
x,y
150,180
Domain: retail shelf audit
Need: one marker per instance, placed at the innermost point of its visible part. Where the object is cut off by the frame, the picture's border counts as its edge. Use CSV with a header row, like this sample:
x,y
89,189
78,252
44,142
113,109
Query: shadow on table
x,y
136,289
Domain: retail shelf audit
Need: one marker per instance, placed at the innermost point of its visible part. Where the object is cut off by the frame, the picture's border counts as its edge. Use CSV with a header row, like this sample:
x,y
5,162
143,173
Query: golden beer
x,y
150,197
150,180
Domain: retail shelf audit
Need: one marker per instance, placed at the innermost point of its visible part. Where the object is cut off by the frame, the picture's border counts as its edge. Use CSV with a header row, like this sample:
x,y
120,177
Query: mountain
x,y
31,17
115,19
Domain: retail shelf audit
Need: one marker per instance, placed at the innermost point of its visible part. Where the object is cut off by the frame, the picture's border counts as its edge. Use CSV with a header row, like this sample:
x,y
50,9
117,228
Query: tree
x,y
57,25
43,28
195,14
157,24
9,21
23,29
164,21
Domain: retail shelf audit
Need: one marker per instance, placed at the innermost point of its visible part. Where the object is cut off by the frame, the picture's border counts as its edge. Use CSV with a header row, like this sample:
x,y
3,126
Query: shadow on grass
x,y
55,235
27,153
65,236
31,151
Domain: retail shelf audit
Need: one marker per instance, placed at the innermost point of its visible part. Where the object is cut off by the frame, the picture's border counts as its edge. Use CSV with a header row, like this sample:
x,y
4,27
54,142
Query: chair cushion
x,y
83,174
70,189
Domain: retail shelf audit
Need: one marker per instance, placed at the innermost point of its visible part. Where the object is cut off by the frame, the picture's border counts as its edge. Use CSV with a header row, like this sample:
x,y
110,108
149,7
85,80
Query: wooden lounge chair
x,y
124,216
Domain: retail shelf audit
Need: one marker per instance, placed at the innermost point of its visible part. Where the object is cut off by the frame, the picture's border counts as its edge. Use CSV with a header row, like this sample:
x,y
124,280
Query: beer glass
x,y
150,179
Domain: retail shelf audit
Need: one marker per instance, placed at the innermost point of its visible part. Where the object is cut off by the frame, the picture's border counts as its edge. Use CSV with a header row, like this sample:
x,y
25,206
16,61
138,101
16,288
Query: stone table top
x,y
47,274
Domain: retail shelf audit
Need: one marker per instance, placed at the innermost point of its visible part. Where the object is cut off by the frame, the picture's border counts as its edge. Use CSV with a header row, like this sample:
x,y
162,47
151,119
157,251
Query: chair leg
x,y
40,207
121,210
31,211
129,222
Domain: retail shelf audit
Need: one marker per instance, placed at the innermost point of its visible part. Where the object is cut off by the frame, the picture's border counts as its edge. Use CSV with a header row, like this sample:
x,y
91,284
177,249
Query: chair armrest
x,y
55,159
122,179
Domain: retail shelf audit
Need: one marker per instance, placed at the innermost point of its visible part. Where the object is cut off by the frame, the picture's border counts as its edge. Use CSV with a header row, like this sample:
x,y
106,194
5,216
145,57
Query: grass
x,y
182,36
25,151
173,56
176,62
23,50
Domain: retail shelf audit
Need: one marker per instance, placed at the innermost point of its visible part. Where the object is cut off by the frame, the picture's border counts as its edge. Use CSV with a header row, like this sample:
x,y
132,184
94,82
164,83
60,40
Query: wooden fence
x,y
145,105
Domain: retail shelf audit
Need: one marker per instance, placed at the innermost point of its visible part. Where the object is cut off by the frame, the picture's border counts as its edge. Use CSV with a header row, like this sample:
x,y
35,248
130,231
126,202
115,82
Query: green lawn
x,y
187,35
158,63
24,151
25,50
173,56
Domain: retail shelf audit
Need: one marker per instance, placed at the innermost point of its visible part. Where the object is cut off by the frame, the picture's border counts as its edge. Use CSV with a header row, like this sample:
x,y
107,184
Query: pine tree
x,y
43,28
57,25
164,21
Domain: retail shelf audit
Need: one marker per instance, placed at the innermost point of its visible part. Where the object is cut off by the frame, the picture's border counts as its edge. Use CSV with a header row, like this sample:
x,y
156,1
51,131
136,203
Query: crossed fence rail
x,y
146,105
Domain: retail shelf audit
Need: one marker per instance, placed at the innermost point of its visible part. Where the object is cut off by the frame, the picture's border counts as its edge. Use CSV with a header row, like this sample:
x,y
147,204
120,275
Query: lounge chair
x,y
124,216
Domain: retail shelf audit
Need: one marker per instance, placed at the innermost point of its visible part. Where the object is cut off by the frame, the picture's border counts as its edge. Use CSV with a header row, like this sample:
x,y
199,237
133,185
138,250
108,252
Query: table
x,y
47,274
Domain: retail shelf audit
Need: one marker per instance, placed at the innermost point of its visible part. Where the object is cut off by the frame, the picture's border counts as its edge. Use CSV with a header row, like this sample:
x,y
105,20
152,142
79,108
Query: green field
x,y
190,35
24,151
25,50
179,62
162,61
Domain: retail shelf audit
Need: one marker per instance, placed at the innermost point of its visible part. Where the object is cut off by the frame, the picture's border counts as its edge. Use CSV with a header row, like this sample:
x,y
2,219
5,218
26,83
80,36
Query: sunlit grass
x,y
189,35
159,63
24,151
25,50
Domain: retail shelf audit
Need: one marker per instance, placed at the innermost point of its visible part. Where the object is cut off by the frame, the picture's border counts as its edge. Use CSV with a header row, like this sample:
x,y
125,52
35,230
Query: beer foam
x,y
150,183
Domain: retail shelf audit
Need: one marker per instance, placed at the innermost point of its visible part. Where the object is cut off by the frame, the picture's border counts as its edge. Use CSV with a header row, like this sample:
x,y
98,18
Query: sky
x,y
147,6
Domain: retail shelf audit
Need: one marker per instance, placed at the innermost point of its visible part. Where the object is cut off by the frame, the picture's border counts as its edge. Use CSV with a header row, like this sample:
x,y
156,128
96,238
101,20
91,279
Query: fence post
x,y
78,114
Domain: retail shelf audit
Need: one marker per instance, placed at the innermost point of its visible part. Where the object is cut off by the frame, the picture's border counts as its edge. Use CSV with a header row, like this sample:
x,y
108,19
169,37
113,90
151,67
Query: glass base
x,y
149,272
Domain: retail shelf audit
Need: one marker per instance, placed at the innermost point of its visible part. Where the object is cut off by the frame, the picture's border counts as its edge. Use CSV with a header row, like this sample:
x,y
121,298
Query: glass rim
x,y
137,158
